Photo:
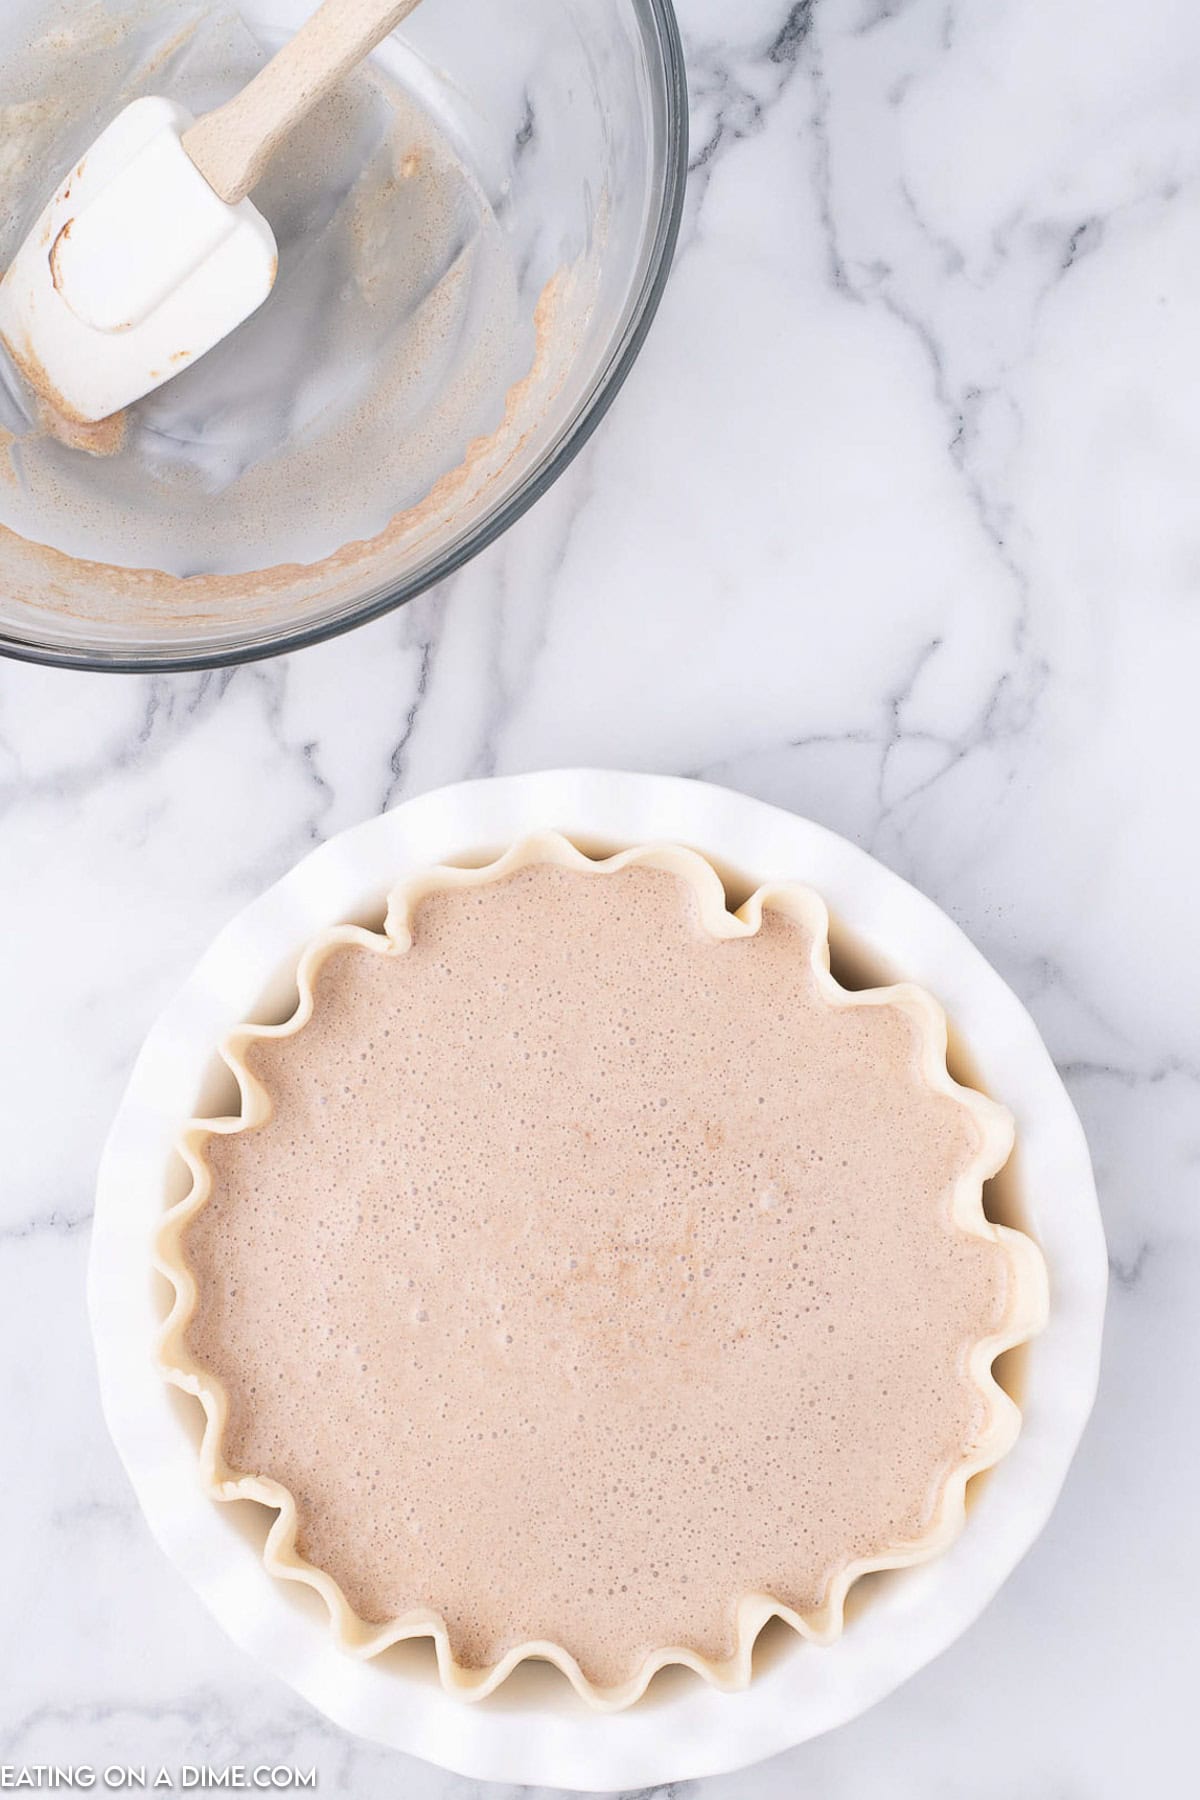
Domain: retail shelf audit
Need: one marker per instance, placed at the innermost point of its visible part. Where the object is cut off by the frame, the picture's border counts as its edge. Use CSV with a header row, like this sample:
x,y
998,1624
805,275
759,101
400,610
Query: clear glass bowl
x,y
473,241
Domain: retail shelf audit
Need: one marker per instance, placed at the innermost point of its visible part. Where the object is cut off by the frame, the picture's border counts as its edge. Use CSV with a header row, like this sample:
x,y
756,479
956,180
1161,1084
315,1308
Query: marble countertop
x,y
895,525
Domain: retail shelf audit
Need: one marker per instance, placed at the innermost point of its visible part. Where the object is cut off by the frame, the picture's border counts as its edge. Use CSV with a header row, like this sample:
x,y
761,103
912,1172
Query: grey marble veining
x,y
894,525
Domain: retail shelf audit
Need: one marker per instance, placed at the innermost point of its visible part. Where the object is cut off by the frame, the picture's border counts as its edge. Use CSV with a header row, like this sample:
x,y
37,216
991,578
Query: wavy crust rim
x,y
1028,1300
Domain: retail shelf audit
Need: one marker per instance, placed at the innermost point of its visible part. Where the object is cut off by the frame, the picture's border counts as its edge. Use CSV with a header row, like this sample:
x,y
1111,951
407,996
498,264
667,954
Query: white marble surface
x,y
895,525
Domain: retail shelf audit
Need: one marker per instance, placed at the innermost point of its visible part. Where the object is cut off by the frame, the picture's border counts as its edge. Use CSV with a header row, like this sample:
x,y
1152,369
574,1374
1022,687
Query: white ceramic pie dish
x,y
537,1730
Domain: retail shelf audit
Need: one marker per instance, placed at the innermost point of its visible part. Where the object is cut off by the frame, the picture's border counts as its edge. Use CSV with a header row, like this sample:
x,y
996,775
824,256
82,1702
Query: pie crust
x,y
1026,1307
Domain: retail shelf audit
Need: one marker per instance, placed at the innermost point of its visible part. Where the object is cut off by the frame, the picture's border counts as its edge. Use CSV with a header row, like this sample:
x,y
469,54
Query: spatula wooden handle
x,y
233,145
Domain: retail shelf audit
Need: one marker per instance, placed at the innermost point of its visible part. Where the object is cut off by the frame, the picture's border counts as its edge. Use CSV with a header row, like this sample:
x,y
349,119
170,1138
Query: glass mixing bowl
x,y
474,236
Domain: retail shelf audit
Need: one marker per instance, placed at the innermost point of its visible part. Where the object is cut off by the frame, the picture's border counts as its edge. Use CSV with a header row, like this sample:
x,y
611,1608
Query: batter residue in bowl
x,y
382,368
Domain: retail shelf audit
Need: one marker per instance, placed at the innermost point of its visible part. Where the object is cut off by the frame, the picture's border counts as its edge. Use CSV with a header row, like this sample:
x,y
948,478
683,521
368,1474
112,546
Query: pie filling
x,y
591,1271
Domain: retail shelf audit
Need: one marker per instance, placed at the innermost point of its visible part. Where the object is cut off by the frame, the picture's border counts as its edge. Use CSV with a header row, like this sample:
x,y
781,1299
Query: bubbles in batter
x,y
592,1273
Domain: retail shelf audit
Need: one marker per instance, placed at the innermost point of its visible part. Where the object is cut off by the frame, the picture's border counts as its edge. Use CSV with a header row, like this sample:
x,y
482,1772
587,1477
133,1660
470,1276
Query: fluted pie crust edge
x,y
1026,1311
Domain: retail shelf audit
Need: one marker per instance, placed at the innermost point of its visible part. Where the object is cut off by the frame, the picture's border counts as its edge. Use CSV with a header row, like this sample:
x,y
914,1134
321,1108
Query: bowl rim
x,y
691,1730
660,26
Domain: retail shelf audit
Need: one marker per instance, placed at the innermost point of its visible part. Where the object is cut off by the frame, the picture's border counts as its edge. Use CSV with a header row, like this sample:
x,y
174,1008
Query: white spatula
x,y
150,252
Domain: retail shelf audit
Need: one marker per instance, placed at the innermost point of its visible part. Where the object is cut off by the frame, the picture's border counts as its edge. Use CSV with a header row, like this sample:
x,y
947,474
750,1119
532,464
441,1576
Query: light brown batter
x,y
593,1273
